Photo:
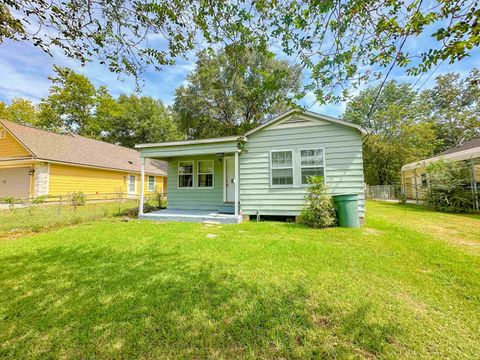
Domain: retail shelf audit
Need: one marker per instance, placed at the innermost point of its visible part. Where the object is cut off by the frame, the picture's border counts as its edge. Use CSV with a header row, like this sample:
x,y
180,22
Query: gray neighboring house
x,y
263,172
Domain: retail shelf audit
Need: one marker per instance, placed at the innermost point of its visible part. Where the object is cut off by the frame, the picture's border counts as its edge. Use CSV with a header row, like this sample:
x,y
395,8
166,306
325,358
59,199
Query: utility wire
x,y
388,73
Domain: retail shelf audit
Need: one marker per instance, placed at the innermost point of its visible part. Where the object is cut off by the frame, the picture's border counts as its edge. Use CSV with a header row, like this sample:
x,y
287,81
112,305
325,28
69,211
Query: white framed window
x,y
312,163
281,168
151,183
132,184
185,174
205,174
3,133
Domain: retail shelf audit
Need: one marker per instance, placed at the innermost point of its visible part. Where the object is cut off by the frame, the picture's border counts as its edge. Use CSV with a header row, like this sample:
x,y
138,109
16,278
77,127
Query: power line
x,y
428,78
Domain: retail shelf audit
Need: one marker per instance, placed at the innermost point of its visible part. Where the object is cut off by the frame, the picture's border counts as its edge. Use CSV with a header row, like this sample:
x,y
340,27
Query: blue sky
x,y
24,72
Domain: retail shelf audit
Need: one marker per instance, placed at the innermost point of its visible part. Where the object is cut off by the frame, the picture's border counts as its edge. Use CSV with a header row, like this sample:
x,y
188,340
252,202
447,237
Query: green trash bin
x,y
347,210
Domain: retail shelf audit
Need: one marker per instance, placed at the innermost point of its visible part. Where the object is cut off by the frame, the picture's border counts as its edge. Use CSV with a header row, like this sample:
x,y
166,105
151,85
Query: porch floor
x,y
191,216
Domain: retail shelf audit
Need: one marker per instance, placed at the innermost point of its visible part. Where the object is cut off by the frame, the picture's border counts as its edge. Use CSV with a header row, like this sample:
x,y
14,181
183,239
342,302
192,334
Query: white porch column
x,y
142,185
237,180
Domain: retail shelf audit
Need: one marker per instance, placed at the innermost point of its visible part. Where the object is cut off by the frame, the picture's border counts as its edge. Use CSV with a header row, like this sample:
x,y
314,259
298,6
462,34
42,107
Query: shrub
x,y
78,199
10,201
319,210
448,183
133,212
160,200
40,199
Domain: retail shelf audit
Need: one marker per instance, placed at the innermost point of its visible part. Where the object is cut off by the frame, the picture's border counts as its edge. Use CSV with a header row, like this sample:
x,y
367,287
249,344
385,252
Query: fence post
x,y
416,186
473,183
59,205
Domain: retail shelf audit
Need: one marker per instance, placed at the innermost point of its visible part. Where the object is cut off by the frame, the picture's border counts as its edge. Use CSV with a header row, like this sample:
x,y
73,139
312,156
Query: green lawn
x,y
407,285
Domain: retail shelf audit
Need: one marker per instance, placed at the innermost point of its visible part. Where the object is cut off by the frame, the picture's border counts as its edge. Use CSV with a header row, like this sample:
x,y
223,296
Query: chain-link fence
x,y
26,215
466,197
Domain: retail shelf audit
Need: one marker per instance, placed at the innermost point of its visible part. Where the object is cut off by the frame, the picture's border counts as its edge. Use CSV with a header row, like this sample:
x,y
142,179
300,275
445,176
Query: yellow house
x,y
36,162
414,175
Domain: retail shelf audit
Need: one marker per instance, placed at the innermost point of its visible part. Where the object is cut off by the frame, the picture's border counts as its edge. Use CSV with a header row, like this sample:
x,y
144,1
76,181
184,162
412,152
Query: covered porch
x,y
203,180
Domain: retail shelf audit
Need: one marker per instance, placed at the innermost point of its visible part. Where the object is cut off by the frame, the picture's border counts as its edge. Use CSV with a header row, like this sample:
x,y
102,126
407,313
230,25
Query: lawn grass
x,y
42,217
407,285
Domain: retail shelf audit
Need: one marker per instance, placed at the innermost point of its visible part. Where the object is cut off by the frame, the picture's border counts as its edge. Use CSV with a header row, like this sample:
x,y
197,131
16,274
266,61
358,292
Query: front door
x,y
229,179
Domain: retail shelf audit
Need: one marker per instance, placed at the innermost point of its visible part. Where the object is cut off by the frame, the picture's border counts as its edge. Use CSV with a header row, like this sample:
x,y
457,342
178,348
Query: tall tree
x,y
337,40
75,105
72,99
396,136
233,91
20,110
135,120
453,105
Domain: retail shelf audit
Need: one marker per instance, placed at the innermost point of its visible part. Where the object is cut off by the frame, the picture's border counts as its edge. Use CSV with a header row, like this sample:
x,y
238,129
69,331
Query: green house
x,y
263,172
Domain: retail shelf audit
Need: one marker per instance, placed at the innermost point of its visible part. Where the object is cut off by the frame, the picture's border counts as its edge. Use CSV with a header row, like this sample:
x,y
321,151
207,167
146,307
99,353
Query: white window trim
x,y
212,173
312,166
193,174
154,183
280,168
134,183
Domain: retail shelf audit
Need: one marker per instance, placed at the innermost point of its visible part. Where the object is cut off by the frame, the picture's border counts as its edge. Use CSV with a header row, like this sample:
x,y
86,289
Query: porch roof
x,y
189,147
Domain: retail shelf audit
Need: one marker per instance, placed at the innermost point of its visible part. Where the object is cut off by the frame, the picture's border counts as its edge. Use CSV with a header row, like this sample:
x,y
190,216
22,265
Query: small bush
x,y
40,199
448,186
160,200
11,201
78,199
319,210
133,212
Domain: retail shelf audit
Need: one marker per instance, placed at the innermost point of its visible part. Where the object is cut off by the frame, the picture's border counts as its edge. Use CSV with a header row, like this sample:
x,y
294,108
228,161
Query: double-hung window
x,y
132,186
185,174
281,168
205,174
151,183
311,164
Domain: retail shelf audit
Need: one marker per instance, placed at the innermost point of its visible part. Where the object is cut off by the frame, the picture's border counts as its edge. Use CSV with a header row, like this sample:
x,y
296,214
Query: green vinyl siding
x,y
343,166
195,198
189,150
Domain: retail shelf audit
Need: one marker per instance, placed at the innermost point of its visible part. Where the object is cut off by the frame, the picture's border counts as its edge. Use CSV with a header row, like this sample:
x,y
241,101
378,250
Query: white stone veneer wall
x,y
41,178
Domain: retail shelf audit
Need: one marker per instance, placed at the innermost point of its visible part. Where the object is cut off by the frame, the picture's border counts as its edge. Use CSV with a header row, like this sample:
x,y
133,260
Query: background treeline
x,y
407,125
230,92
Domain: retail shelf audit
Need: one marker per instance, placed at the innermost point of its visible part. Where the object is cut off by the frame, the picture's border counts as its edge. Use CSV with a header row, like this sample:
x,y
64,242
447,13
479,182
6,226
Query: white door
x,y
229,179
15,182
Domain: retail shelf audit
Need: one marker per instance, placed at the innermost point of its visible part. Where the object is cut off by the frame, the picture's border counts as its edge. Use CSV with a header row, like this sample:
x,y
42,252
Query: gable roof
x,y
469,150
258,128
78,150
467,145
308,113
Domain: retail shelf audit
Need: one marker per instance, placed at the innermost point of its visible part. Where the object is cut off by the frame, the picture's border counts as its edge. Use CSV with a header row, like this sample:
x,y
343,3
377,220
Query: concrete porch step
x,y
191,216
227,209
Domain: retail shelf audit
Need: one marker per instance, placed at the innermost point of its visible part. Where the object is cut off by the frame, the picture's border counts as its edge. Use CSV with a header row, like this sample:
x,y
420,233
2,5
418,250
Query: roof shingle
x,y
79,150
467,145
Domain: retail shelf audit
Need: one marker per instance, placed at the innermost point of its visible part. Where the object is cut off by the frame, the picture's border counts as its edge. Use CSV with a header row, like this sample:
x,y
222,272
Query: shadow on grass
x,y
413,208
95,302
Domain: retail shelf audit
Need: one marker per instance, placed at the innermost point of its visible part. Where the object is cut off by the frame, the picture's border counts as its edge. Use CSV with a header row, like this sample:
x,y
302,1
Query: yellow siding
x,y
408,177
9,147
160,184
66,179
